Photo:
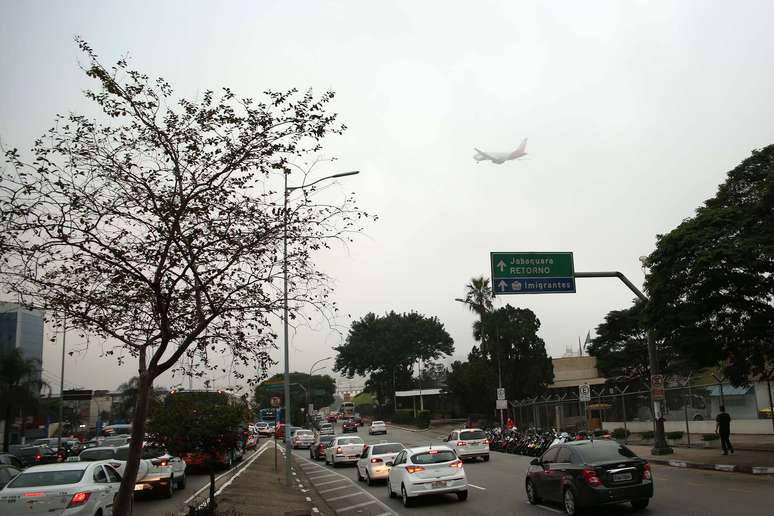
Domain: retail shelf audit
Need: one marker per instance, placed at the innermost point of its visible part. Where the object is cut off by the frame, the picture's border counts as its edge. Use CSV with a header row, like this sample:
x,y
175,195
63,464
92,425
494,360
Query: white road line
x,y
351,481
350,495
207,485
332,489
477,487
356,506
546,508
230,480
322,476
331,482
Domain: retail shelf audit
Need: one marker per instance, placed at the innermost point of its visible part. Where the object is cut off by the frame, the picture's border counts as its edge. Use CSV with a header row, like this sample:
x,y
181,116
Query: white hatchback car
x,y
72,488
344,449
469,443
377,427
424,471
372,464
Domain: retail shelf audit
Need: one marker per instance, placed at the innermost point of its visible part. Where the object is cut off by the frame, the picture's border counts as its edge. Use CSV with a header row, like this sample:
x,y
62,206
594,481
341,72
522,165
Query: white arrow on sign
x,y
502,285
501,264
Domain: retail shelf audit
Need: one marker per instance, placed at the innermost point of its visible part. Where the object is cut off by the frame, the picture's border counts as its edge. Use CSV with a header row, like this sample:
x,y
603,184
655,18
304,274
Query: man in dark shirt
x,y
723,428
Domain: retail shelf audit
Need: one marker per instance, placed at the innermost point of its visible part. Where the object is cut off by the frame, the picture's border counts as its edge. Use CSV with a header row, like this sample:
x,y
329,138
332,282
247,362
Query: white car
x,y
302,438
372,464
264,428
377,427
469,443
424,471
71,488
344,450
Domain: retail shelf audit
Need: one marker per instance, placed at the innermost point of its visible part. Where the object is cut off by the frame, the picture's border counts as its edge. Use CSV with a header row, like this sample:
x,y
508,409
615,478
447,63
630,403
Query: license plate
x,y
439,483
622,477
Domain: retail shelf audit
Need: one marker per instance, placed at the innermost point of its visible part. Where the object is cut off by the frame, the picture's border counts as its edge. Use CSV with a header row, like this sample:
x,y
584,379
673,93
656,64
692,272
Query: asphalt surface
x,y
497,487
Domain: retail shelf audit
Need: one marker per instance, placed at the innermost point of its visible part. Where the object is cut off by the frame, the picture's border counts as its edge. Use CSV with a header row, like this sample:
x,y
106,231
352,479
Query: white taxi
x,y
424,471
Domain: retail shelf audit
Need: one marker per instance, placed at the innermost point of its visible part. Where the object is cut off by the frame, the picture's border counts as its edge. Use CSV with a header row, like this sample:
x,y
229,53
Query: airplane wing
x,y
487,156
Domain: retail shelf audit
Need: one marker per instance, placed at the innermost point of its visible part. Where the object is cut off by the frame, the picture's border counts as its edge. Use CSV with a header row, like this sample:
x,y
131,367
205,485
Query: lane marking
x,y
207,485
332,489
324,475
477,487
356,506
546,508
330,482
342,497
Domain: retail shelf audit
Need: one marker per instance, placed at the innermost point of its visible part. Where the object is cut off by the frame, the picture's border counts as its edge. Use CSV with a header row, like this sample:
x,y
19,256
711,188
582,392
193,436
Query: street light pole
x,y
309,384
61,383
287,190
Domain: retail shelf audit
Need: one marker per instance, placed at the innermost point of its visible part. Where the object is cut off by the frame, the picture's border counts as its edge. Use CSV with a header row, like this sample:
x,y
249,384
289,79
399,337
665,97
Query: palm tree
x,y
478,295
20,385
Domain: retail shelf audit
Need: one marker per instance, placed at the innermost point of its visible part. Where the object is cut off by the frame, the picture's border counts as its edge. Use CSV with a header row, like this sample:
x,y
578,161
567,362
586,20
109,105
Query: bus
x,y
347,409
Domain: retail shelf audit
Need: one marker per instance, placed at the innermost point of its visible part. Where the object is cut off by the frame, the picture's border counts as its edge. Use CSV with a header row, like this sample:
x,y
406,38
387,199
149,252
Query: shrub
x,y
406,417
709,437
647,435
620,433
674,435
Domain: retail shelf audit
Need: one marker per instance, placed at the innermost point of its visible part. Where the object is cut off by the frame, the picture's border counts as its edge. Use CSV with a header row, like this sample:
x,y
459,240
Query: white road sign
x,y
501,393
501,405
584,391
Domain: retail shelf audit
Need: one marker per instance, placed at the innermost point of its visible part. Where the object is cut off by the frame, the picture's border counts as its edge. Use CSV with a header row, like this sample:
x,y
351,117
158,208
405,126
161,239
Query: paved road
x,y
150,505
496,487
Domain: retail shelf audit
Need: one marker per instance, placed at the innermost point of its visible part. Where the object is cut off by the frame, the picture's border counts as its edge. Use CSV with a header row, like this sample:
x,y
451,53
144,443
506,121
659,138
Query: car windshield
x,y
592,452
386,448
350,440
304,432
468,435
47,478
91,455
433,457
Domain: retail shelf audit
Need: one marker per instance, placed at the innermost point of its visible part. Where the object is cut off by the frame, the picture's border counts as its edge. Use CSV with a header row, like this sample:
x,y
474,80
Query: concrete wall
x,y
738,426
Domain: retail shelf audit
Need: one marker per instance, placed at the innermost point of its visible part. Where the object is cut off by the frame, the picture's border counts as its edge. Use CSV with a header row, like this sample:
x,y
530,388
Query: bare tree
x,y
160,230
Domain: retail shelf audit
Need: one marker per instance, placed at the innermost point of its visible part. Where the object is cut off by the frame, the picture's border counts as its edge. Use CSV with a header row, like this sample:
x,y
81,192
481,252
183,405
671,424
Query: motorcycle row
x,y
532,442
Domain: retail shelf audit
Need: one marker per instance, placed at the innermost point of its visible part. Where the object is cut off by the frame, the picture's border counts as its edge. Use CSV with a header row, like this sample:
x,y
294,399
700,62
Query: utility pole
x,y
660,446
61,383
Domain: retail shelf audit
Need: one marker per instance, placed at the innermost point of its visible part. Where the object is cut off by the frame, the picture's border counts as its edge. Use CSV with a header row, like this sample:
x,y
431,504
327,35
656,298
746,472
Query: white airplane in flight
x,y
501,157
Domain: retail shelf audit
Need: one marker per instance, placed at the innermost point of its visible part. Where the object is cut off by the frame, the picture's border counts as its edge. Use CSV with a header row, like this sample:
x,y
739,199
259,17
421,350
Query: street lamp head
x,y
343,174
460,300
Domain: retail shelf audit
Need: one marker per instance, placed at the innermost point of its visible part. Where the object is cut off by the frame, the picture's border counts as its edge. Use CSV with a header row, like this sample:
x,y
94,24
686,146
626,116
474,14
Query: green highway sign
x,y
532,272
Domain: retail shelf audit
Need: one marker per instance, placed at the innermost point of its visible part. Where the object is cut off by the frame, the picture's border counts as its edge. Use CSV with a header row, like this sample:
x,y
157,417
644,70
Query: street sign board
x,y
501,404
275,401
657,386
584,392
500,393
532,272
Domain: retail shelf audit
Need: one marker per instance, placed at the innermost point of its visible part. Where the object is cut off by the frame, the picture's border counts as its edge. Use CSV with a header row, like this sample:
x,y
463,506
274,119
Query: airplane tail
x,y
520,149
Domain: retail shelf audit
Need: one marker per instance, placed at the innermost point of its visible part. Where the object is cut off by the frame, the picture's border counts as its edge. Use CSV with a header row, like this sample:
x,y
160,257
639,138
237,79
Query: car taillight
x,y
338,449
646,474
591,478
375,460
33,494
38,457
461,443
486,442
160,462
78,499
456,464
414,469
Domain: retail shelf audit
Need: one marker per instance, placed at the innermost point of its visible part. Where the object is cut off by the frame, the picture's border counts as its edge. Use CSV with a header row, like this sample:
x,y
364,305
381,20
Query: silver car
x,y
302,438
327,429
372,464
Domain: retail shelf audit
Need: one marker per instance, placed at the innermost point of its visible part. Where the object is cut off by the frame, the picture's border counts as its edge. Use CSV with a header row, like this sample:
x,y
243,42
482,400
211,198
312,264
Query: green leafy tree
x,y
205,423
160,226
317,389
385,348
473,384
621,346
511,346
711,279
19,385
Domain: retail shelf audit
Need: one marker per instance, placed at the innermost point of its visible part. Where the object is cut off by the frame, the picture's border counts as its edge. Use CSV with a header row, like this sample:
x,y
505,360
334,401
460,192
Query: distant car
x,y
358,419
344,450
72,488
34,455
7,472
377,427
469,443
317,450
264,428
372,464
117,429
70,445
592,472
350,425
302,438
118,440
332,417
426,470
9,459
327,429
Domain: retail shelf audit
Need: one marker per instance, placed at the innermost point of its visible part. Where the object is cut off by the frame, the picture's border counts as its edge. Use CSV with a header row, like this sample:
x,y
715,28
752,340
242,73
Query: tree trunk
x,y
123,503
212,488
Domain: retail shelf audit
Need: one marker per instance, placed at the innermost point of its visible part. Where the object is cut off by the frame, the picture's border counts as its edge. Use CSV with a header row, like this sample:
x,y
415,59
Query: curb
x,y
411,429
729,468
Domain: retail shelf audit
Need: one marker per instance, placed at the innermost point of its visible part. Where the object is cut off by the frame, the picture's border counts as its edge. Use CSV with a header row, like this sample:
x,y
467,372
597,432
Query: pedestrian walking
x,y
723,428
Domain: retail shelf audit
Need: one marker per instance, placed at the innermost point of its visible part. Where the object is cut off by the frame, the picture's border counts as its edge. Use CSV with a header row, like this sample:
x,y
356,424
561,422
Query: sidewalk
x,y
260,490
740,441
757,463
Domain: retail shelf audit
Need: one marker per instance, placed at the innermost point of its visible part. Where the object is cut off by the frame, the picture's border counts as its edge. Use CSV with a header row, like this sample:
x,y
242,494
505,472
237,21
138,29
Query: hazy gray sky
x,y
634,110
